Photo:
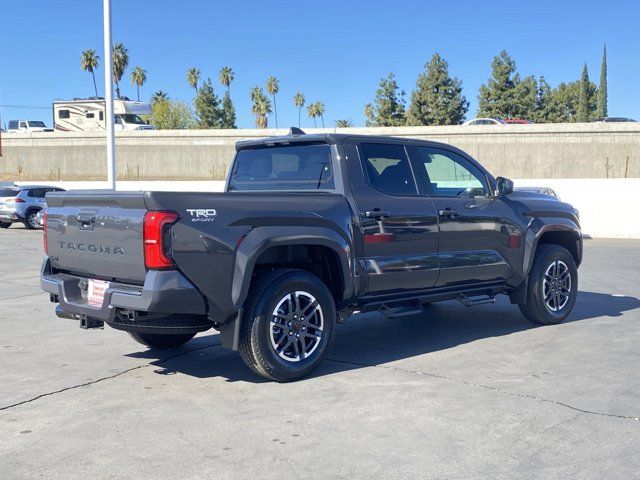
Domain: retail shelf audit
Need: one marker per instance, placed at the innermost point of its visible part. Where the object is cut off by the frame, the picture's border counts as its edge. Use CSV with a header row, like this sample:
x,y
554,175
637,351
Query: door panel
x,y
399,230
479,235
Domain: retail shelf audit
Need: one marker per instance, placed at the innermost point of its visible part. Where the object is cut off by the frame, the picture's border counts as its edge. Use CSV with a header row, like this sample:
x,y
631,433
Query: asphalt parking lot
x,y
457,393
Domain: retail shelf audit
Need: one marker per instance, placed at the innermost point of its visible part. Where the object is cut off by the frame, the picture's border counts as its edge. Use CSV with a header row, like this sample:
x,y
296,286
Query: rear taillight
x,y
19,200
44,233
157,239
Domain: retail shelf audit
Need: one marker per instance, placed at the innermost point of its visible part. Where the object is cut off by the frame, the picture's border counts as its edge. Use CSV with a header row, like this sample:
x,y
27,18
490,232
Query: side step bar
x,y
391,310
472,302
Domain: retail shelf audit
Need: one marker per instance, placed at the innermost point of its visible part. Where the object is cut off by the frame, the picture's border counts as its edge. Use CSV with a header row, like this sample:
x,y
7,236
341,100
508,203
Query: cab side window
x,y
450,175
387,169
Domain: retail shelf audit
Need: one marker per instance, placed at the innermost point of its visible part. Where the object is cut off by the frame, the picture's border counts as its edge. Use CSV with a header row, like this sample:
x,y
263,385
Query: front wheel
x,y
288,325
553,286
161,341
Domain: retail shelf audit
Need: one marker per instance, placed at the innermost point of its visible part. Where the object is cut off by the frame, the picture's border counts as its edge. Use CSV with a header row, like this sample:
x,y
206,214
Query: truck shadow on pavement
x,y
371,339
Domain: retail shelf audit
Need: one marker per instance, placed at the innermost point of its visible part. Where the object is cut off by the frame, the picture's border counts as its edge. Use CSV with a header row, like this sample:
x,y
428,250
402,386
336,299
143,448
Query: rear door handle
x,y
377,213
448,213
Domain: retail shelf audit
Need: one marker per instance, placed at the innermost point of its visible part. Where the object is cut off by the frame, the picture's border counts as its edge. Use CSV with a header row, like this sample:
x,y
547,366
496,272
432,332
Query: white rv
x,y
86,114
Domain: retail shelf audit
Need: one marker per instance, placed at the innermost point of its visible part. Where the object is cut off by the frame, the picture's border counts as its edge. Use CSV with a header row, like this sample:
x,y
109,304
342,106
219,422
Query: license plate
x,y
95,292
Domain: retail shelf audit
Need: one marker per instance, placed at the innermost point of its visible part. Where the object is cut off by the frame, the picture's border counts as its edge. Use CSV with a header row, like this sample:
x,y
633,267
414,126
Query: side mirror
x,y
504,186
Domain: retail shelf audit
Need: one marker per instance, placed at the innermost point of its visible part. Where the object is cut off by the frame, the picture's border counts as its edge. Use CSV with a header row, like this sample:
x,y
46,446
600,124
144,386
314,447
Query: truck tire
x,y
161,341
288,325
553,286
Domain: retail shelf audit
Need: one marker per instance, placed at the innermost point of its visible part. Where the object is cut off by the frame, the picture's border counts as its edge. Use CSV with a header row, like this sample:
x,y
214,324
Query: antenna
x,y
296,131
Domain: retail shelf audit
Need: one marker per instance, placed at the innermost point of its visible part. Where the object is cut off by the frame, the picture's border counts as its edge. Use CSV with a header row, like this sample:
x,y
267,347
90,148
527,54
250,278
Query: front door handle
x,y
448,213
377,213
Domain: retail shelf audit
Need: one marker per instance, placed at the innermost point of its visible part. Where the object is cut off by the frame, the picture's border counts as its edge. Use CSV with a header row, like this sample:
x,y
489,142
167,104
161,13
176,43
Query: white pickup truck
x,y
27,126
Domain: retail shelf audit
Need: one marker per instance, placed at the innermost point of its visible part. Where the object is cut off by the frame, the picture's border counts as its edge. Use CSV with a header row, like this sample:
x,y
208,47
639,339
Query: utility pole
x,y
108,94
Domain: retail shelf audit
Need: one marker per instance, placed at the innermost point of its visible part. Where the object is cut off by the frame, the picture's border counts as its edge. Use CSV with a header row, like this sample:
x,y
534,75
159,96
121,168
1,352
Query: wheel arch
x,y
268,247
563,232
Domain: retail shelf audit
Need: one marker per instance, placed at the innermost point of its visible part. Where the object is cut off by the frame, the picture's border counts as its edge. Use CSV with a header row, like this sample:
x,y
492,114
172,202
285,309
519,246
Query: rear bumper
x,y
10,216
164,293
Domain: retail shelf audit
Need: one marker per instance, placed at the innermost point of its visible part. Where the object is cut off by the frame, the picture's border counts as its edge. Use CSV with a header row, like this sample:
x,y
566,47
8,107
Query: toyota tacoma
x,y
309,230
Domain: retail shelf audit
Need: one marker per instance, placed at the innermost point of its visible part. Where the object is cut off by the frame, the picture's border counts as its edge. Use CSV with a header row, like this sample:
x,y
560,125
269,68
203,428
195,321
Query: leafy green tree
x,y
313,113
583,98
437,99
193,77
320,111
298,101
602,108
388,106
159,96
138,77
544,107
226,76
228,112
120,63
261,107
344,123
169,115
207,106
506,94
273,87
369,115
89,62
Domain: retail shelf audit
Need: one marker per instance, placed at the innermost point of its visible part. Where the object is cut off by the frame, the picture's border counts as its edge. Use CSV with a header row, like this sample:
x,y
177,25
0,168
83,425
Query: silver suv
x,y
22,204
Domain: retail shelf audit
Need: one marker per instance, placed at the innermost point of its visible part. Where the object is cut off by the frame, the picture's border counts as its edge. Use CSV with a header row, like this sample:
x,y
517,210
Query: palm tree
x,y
193,77
261,107
273,86
344,123
138,77
88,63
159,96
313,113
298,101
226,77
320,111
120,62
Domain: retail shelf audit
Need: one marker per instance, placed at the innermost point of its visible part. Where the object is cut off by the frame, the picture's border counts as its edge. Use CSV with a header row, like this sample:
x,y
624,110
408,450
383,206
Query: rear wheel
x,y
553,286
288,325
30,220
161,341
5,224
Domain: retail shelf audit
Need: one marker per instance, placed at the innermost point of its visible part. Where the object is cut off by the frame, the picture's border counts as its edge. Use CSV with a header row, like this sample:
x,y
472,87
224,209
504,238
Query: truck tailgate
x,y
97,234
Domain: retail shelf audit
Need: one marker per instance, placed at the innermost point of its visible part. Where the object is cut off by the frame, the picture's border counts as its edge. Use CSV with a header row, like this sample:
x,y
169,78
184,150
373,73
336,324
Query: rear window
x,y
301,167
8,192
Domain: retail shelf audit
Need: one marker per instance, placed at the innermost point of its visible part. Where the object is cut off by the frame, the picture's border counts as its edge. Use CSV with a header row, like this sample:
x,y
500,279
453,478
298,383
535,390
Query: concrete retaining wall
x,y
604,204
516,151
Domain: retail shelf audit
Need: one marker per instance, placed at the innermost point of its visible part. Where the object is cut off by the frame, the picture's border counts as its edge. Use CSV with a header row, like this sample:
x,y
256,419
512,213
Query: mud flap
x,y
230,332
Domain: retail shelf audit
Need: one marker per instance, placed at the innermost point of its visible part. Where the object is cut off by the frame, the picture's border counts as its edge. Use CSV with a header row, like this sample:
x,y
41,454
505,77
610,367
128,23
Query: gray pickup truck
x,y
309,230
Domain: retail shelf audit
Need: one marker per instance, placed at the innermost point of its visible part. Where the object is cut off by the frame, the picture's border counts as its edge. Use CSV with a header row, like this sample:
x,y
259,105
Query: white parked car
x,y
27,126
485,121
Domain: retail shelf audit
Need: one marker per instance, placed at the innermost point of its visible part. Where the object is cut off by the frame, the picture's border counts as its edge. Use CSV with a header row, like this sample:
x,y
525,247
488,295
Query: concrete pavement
x,y
457,393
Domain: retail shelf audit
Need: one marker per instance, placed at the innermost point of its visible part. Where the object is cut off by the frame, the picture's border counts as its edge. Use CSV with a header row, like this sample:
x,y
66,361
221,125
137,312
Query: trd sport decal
x,y
202,214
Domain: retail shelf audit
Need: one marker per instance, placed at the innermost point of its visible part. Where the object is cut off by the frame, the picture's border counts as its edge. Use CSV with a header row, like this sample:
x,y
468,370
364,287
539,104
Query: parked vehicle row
x,y
24,204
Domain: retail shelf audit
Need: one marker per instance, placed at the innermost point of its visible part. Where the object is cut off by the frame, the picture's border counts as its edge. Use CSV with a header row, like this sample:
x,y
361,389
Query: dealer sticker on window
x,y
95,293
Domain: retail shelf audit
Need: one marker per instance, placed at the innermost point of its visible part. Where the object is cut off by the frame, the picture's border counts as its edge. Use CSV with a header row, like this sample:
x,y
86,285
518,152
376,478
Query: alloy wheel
x,y
296,326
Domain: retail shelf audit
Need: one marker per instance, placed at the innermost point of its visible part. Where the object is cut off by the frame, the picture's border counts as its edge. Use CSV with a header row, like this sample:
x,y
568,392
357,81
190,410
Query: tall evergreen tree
x,y
388,106
496,99
207,106
583,99
602,109
544,107
228,112
437,99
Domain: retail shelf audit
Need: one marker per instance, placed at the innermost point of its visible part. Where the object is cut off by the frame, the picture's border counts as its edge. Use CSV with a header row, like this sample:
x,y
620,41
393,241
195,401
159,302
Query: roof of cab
x,y
328,138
